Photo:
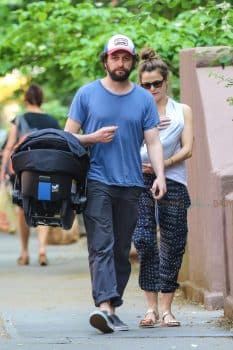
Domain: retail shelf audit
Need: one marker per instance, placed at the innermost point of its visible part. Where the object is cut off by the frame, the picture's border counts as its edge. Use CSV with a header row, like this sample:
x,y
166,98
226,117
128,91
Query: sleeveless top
x,y
170,138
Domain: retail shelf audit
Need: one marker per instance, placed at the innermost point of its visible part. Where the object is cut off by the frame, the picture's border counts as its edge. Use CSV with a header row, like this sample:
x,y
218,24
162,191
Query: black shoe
x,y
101,320
118,324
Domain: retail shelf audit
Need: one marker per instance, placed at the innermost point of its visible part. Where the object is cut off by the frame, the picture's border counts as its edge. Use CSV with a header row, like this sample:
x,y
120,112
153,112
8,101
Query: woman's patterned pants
x,y
160,262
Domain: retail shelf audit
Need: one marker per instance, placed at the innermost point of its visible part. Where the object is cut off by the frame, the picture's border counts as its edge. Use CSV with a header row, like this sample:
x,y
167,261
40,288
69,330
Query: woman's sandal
x,y
23,260
43,261
171,322
150,319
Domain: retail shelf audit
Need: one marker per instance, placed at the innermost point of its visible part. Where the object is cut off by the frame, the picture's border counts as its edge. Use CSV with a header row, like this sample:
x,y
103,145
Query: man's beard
x,y
116,77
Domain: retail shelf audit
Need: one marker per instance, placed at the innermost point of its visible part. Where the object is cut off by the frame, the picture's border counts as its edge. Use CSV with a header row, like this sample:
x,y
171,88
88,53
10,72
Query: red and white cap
x,y
119,42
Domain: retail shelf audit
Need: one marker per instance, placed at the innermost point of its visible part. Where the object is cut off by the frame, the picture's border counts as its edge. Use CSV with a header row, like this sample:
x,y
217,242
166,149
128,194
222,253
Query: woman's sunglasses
x,y
155,84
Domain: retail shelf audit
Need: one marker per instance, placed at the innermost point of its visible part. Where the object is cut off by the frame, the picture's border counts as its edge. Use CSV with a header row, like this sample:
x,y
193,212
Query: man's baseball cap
x,y
119,42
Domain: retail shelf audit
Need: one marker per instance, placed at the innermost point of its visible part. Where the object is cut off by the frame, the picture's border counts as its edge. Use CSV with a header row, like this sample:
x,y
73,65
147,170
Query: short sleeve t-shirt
x,y
117,162
39,121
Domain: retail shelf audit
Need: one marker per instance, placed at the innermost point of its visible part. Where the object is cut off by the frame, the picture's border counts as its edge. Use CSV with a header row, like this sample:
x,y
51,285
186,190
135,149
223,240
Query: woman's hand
x,y
3,175
164,122
147,168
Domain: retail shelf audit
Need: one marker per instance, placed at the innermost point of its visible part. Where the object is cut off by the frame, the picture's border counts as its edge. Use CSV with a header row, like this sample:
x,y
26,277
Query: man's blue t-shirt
x,y
117,162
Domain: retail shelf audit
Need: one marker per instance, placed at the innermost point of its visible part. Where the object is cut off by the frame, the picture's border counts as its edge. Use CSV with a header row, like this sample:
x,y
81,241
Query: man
x,y
115,116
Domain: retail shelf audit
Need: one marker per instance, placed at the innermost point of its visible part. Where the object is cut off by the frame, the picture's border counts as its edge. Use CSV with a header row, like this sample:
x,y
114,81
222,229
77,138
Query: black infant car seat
x,y
50,167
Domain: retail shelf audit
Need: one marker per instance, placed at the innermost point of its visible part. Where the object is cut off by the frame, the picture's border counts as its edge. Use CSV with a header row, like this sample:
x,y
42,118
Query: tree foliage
x,y
58,42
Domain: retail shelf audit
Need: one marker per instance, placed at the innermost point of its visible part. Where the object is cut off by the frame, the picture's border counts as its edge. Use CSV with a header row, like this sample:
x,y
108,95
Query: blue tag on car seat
x,y
44,191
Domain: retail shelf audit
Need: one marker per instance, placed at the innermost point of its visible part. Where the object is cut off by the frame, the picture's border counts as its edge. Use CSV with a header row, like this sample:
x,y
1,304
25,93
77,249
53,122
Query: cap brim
x,y
121,49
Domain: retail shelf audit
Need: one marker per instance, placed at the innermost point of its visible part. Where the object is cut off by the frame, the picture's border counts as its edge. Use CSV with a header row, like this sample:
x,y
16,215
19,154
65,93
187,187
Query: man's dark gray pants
x,y
110,218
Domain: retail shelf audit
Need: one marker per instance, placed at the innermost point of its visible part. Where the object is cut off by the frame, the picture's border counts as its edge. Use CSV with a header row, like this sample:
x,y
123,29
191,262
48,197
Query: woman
x,y
159,267
35,119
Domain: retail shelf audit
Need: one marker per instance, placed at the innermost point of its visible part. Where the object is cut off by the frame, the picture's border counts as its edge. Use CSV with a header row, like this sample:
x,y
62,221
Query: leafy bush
x,y
58,42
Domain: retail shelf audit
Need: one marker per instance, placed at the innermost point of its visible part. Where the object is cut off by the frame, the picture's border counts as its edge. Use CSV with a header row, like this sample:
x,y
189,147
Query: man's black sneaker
x,y
101,320
118,324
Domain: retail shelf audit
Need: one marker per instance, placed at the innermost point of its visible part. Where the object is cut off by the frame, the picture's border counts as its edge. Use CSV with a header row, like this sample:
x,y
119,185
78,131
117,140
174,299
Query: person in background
x,y
159,268
115,116
36,119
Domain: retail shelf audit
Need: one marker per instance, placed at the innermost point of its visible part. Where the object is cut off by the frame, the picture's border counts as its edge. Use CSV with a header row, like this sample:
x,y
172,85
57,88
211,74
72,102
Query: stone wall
x,y
206,277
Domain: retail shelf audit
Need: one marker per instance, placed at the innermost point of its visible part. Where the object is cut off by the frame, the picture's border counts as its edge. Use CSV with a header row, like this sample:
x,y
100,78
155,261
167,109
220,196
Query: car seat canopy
x,y
53,151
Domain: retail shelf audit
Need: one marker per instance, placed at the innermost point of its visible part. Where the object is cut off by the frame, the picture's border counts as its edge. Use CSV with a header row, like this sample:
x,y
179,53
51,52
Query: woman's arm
x,y
11,141
186,139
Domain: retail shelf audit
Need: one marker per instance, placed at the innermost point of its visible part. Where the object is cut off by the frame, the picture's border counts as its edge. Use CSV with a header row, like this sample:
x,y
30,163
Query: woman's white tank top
x,y
171,141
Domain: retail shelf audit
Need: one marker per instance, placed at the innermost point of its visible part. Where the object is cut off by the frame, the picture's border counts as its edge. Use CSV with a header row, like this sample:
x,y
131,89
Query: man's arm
x,y
155,153
103,135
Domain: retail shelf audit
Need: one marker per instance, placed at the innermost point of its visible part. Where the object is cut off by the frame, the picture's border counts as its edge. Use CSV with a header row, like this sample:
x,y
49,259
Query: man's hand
x,y
105,134
159,188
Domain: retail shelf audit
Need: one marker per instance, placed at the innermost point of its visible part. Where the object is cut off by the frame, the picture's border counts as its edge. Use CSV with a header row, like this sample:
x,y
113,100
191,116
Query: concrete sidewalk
x,y
48,307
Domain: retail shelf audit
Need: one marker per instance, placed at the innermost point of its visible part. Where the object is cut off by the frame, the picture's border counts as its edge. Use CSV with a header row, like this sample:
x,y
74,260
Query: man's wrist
x,y
160,175
86,139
